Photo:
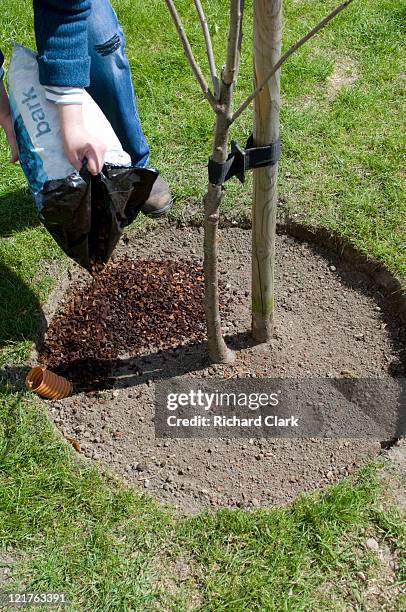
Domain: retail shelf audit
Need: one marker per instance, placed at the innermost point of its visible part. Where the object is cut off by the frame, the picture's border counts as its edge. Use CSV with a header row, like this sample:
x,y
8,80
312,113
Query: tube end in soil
x,y
46,384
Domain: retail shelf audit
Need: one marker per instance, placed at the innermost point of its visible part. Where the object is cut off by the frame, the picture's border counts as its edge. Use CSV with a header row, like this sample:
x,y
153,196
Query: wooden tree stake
x,y
267,51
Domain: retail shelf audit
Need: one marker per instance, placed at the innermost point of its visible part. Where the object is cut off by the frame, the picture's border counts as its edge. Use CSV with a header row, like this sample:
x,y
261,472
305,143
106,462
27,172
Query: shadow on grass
x,y
21,314
17,212
21,320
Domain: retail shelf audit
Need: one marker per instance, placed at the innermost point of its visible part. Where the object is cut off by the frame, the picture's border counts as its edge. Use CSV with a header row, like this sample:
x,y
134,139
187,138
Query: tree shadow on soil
x,y
171,363
131,372
90,375
17,212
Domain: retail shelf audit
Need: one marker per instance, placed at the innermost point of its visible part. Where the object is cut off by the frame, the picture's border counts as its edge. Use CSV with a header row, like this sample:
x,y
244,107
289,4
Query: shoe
x,y
159,201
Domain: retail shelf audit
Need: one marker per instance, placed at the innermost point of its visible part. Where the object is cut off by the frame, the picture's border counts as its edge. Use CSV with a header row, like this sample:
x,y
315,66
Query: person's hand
x,y
6,123
78,143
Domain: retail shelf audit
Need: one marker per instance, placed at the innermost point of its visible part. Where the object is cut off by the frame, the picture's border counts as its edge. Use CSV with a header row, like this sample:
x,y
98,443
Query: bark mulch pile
x,y
130,308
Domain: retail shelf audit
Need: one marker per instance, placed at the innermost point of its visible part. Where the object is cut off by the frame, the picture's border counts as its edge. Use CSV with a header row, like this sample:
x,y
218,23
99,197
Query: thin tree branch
x,y
230,70
189,54
286,55
209,48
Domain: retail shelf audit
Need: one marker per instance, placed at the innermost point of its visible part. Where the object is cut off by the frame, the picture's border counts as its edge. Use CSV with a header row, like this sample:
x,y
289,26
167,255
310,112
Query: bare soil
x,y
345,74
331,321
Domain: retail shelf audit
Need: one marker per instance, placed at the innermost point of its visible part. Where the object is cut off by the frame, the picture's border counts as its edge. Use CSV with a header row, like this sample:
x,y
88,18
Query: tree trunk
x,y
267,50
218,350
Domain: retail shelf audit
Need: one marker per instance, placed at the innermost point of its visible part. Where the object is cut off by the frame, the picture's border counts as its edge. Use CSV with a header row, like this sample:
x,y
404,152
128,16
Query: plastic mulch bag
x,y
85,214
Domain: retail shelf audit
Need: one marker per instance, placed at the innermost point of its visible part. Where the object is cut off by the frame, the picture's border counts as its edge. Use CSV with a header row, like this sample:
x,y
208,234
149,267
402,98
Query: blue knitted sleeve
x,y
61,35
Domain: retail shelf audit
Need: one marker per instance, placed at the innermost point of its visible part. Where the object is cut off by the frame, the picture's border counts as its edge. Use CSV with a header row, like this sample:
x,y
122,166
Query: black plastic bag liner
x,y
86,214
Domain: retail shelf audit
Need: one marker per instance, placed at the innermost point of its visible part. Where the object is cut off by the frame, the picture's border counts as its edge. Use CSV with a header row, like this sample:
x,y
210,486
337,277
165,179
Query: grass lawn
x,y
64,526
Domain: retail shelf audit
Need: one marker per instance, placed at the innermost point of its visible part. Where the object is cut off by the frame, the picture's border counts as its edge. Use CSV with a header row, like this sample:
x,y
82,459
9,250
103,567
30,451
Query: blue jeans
x,y
110,80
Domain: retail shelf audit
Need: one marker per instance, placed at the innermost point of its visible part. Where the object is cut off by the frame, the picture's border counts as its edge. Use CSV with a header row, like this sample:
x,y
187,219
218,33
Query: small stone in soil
x,y
372,544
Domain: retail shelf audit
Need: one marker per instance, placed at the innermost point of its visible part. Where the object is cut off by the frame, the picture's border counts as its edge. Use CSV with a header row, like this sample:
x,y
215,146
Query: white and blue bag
x,y
72,204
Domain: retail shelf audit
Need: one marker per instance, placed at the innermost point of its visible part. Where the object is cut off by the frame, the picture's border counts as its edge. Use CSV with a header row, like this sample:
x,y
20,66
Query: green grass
x,y
70,528
288,557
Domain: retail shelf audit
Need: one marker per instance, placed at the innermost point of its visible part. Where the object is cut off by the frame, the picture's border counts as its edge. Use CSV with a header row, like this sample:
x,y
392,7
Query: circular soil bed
x,y
330,321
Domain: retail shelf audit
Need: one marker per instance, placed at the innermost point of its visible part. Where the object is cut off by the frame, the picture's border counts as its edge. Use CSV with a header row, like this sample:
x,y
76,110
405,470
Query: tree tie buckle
x,y
240,160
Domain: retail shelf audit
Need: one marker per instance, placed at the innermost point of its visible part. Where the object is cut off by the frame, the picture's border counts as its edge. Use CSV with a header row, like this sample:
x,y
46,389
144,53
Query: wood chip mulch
x,y
130,308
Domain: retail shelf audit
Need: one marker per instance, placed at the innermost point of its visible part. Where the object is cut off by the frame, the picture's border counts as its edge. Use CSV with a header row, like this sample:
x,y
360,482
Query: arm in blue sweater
x,y
61,35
